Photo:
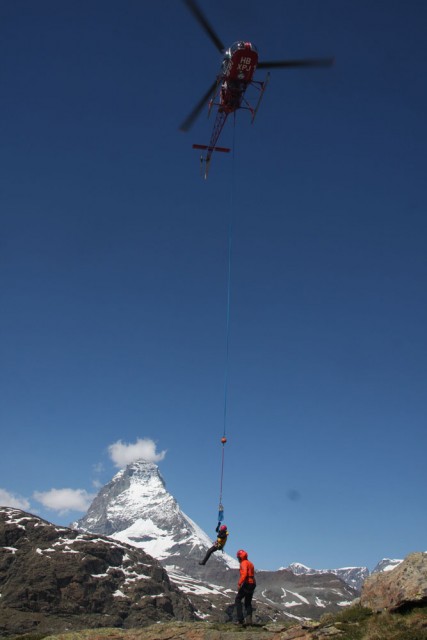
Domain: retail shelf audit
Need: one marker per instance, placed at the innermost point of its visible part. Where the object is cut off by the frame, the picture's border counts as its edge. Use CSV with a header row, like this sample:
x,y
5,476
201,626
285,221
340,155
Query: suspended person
x,y
246,588
219,543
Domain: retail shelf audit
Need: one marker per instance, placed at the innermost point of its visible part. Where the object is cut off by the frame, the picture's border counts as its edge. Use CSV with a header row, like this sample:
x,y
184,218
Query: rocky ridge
x,y
53,578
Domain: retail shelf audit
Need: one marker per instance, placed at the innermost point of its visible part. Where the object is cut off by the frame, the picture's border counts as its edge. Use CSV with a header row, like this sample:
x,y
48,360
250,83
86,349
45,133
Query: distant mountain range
x,y
135,508
353,576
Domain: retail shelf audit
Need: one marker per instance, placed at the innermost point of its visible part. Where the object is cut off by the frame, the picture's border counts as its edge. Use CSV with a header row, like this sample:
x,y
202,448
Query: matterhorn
x,y
136,508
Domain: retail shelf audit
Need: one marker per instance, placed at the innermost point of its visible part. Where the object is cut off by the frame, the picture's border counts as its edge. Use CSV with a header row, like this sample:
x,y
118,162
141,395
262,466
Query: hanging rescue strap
x,y
221,507
227,331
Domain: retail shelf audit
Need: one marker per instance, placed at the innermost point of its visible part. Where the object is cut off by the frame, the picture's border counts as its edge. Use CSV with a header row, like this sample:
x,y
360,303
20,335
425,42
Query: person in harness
x,y
246,588
219,543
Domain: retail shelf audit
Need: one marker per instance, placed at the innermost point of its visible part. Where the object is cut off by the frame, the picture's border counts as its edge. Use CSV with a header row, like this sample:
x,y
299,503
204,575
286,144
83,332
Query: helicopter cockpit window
x,y
236,46
241,45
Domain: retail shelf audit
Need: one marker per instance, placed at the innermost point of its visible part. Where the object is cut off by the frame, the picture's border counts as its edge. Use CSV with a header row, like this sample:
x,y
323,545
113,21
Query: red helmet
x,y
242,555
223,528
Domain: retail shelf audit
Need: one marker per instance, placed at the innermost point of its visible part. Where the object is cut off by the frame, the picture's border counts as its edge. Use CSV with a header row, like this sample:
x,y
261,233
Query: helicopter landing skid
x,y
261,86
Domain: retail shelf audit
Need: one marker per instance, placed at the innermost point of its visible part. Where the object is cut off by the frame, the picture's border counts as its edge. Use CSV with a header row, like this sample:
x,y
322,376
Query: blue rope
x,y
227,331
230,245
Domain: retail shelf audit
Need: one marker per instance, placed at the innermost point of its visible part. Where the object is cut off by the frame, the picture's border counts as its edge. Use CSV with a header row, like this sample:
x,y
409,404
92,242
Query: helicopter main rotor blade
x,y
203,21
188,122
308,62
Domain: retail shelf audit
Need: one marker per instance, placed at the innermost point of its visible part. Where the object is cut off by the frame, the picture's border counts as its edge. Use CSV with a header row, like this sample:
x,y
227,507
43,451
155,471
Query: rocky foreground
x,y
355,623
60,583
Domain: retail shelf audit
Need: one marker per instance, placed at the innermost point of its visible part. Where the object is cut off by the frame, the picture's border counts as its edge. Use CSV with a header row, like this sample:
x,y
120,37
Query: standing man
x,y
246,588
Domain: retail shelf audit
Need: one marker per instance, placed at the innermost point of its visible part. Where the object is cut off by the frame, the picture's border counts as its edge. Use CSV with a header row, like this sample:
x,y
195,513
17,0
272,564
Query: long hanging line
x,y
227,331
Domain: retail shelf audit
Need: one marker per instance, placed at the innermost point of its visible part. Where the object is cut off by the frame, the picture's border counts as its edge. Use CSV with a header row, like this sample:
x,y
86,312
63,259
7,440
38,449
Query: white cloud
x,y
122,453
64,500
8,499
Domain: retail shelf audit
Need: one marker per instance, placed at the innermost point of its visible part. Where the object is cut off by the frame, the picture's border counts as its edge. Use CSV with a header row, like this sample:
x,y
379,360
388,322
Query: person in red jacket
x,y
246,588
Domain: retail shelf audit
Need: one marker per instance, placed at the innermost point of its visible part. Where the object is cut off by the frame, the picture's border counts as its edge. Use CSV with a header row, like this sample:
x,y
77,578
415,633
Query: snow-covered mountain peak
x,y
386,564
136,508
139,485
298,568
142,471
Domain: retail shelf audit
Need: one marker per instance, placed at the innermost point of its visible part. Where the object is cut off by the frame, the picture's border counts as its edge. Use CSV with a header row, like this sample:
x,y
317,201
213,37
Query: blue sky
x,y
113,270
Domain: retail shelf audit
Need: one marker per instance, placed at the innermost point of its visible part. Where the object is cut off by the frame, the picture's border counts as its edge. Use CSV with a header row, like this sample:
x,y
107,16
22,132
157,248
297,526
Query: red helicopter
x,y
227,92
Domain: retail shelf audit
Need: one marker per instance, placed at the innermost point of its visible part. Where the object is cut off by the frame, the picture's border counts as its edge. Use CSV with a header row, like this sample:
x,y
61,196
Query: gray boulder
x,y
403,587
